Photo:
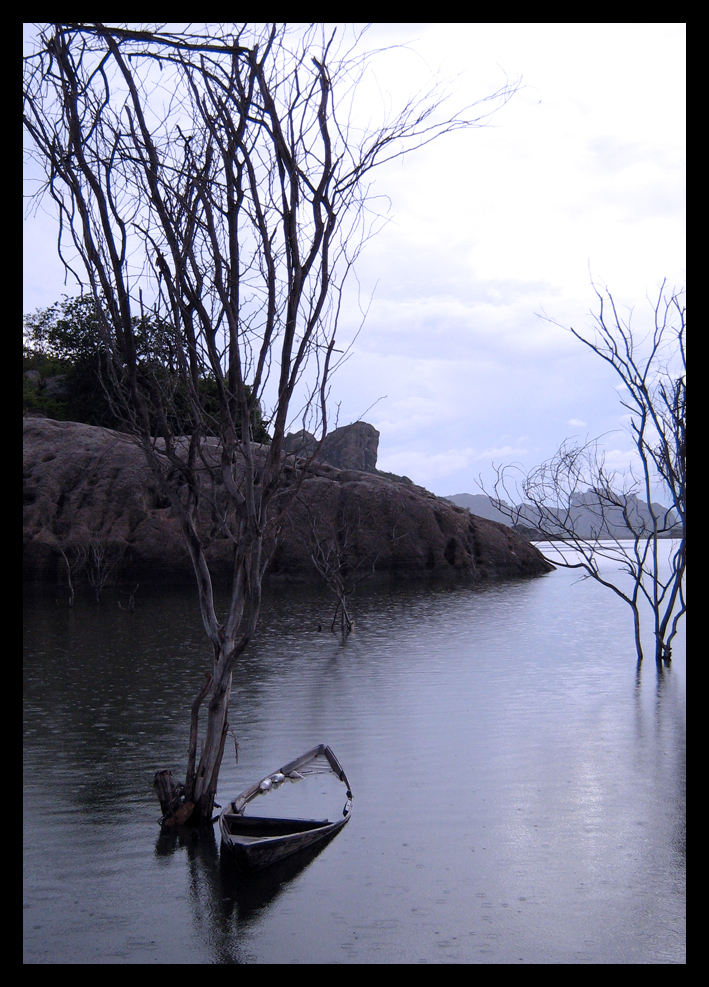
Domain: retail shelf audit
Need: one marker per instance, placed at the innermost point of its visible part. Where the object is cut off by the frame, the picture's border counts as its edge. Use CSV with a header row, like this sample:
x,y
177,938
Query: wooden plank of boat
x,y
258,841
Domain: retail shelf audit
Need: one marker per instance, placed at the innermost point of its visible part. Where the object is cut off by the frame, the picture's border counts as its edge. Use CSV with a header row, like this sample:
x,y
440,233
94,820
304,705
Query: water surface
x,y
519,788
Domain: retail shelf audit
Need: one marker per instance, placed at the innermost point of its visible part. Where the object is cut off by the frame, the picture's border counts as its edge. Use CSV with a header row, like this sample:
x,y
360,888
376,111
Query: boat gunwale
x,y
249,845
242,800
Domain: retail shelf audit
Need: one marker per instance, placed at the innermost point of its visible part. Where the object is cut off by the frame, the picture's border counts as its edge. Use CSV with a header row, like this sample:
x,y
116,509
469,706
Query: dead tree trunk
x,y
171,795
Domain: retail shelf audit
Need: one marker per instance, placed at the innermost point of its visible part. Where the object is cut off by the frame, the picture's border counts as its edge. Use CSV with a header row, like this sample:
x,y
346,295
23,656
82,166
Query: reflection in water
x,y
245,894
520,791
224,899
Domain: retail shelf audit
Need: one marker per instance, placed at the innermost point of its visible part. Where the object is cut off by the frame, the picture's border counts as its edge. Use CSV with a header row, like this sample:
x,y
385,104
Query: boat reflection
x,y
245,893
224,896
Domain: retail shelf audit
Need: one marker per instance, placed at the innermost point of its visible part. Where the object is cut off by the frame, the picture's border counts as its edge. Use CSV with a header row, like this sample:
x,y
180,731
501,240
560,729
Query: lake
x,y
519,788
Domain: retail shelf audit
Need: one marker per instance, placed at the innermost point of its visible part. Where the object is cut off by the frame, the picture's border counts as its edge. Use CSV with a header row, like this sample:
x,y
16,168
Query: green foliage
x,y
67,330
64,340
34,398
63,349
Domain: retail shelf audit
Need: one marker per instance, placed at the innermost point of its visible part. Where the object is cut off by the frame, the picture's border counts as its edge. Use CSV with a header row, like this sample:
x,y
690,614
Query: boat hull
x,y
257,842
269,850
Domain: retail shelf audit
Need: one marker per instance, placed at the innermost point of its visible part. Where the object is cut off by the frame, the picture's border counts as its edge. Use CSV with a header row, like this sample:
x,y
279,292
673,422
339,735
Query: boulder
x,y
33,377
84,484
56,387
352,447
301,444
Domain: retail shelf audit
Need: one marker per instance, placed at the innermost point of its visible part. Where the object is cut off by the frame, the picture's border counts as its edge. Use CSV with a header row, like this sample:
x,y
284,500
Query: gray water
x,y
519,790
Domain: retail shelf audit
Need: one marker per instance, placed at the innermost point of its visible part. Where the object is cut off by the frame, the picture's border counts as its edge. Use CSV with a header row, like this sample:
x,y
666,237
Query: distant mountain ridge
x,y
589,518
480,505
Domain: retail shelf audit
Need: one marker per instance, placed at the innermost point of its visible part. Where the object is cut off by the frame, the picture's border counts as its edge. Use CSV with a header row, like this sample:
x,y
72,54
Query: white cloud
x,y
583,169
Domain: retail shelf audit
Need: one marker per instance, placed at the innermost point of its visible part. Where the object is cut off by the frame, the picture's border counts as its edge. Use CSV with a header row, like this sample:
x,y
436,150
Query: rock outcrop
x,y
84,484
351,447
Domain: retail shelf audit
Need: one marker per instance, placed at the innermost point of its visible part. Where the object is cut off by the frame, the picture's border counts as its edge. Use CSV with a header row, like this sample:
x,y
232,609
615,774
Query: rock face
x,y
86,485
352,447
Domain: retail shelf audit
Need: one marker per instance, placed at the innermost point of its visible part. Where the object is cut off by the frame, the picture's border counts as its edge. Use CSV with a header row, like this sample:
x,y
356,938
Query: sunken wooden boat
x,y
259,840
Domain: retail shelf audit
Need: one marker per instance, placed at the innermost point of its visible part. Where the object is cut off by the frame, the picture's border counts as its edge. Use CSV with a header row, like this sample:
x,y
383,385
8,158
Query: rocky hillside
x,y
86,486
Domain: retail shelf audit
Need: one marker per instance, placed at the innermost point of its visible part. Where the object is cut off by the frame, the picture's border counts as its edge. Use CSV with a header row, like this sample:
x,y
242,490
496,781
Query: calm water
x,y
519,790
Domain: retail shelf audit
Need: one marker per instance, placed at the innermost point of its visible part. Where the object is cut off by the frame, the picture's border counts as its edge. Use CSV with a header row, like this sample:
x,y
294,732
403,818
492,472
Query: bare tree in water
x,y
332,541
212,193
595,511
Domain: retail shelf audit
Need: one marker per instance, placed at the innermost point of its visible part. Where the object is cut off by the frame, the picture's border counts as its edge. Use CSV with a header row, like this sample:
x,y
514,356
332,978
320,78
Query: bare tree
x,y
103,560
596,511
75,559
332,541
212,185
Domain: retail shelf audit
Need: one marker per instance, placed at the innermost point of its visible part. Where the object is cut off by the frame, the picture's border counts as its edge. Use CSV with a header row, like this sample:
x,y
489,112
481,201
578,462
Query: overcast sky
x,y
581,174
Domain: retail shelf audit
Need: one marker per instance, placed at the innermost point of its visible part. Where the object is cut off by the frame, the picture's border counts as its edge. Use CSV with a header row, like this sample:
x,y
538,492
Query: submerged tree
x,y
214,183
596,511
331,539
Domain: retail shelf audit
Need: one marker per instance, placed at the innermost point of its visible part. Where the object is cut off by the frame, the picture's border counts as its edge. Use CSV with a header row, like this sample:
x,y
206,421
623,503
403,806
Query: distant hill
x,y
586,512
480,505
